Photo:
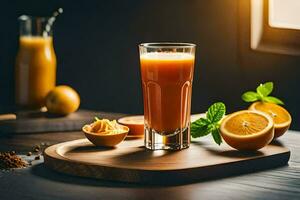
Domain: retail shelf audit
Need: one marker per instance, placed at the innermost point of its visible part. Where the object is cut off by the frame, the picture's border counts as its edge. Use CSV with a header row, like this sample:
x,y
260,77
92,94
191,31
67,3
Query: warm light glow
x,y
284,14
256,22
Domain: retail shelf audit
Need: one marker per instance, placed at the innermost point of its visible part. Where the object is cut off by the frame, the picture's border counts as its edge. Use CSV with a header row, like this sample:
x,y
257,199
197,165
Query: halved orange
x,y
282,118
247,130
135,124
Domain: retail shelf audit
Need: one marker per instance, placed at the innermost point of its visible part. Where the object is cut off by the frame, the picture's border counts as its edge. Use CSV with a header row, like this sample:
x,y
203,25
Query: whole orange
x,y
62,100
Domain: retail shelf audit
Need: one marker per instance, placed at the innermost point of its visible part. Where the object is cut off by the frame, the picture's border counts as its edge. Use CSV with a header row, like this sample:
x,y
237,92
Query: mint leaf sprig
x,y
262,94
211,123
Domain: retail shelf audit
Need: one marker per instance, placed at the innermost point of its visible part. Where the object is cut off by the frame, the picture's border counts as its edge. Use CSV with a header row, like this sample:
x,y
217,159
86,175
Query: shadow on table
x,y
92,148
233,153
236,153
277,143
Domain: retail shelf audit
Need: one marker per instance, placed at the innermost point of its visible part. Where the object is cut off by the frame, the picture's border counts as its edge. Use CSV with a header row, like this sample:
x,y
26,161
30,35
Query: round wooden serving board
x,y
131,162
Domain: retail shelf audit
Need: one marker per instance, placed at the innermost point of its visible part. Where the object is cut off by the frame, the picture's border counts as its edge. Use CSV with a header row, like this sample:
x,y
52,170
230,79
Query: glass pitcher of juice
x,y
35,69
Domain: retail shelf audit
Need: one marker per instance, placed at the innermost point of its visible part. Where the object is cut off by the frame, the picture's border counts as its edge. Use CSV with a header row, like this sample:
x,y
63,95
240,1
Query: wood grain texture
x,y
131,162
36,122
39,182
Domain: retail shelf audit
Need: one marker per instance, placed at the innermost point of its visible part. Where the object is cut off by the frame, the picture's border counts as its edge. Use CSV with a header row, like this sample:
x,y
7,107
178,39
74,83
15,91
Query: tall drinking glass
x,y
167,75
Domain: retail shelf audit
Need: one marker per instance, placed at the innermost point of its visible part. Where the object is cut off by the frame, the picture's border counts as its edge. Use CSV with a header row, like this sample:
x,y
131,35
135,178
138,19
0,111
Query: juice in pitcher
x,y
35,69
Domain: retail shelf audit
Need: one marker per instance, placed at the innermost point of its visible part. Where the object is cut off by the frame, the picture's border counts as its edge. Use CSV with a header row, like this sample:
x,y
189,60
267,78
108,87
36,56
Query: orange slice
x,y
282,118
247,130
135,124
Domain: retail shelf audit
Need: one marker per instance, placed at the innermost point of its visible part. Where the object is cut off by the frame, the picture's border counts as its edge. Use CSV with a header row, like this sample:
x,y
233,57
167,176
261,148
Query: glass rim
x,y
167,45
29,17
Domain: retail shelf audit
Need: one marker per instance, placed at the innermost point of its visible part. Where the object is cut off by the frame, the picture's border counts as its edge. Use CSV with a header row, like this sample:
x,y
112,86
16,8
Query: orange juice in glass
x,y
35,69
167,75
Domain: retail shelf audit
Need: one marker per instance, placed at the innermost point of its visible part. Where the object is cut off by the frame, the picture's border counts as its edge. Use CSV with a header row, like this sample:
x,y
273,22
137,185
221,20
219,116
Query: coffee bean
x,y
10,160
38,157
36,149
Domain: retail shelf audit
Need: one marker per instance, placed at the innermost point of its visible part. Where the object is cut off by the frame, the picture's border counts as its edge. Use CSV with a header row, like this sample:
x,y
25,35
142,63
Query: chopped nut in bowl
x,y
105,132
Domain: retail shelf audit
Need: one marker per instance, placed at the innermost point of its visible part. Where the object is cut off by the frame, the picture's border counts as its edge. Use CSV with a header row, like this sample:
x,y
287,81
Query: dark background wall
x,y
96,47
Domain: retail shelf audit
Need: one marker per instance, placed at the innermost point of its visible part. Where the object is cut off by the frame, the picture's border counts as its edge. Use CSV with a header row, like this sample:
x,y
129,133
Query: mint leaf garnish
x,y
262,94
250,96
265,89
216,112
210,124
271,99
200,128
216,135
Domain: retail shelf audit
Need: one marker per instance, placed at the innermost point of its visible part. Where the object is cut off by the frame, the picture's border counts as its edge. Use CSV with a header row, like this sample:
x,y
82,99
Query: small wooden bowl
x,y
105,140
135,124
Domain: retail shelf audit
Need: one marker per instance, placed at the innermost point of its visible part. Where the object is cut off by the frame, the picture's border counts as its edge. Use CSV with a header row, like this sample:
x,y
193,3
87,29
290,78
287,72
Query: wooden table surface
x,y
38,182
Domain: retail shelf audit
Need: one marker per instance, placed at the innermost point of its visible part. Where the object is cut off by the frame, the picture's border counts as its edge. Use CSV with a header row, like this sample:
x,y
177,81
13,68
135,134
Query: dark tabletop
x,y
38,182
